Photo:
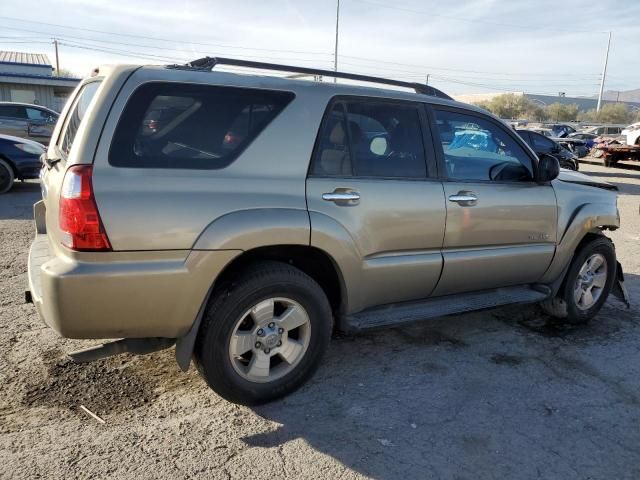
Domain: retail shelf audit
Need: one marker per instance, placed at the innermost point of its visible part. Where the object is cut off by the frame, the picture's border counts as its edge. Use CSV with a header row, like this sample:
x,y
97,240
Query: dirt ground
x,y
497,394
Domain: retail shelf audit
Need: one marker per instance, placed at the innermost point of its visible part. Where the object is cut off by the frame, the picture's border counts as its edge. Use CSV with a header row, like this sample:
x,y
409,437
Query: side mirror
x,y
548,168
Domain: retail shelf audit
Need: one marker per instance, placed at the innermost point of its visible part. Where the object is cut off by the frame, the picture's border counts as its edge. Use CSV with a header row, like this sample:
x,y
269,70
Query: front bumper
x,y
120,294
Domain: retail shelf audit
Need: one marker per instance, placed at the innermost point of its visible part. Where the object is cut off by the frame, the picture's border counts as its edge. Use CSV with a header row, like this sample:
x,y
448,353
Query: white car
x,y
632,133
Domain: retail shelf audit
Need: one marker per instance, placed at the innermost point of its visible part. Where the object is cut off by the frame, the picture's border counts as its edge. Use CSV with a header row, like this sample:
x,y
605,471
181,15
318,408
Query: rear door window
x,y
168,125
75,116
369,138
13,111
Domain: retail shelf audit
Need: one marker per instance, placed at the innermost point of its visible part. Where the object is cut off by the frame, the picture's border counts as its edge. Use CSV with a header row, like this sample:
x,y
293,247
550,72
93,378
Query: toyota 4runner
x,y
243,218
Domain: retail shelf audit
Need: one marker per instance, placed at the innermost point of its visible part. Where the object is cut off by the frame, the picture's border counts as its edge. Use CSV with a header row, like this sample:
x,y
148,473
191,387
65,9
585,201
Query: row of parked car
x,y
25,129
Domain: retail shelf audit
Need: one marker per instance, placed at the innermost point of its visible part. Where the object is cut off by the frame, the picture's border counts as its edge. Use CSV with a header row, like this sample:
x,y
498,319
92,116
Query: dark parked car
x,y
574,145
560,130
24,120
541,144
19,159
589,138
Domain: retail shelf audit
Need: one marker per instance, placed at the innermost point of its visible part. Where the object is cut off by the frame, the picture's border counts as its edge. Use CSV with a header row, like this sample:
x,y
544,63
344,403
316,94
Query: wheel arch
x,y
313,261
11,164
586,221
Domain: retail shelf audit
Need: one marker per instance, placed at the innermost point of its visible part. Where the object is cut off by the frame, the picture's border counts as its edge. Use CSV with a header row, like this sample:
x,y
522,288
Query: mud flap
x,y
186,343
619,291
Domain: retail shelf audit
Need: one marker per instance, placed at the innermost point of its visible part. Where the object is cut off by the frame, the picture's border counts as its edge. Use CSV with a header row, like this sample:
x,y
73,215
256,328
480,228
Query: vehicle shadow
x,y
17,203
481,395
619,179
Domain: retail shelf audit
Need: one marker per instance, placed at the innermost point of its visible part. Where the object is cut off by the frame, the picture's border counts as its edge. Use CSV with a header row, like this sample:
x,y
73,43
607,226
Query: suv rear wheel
x,y
587,284
264,334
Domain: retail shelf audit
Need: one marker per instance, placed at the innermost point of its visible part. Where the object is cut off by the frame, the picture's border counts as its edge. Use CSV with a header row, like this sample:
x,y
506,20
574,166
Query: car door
x,y
13,120
40,124
501,224
374,200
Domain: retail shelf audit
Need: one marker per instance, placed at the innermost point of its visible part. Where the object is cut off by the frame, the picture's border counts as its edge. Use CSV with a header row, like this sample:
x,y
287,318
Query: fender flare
x,y
586,218
253,228
243,230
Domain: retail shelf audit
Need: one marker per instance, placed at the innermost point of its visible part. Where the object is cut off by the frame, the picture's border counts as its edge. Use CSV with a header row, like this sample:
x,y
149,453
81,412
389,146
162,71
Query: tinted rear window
x,y
13,111
80,106
168,125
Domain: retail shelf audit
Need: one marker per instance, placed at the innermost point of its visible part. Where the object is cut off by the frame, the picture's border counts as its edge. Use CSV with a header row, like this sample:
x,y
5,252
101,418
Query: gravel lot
x,y
497,394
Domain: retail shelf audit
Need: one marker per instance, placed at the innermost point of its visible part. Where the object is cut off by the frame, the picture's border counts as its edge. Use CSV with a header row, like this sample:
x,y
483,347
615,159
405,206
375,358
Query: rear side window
x,y
13,111
80,106
168,125
367,138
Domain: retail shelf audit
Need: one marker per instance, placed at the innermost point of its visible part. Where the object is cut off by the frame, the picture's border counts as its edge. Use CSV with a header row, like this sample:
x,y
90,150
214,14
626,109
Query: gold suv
x,y
243,218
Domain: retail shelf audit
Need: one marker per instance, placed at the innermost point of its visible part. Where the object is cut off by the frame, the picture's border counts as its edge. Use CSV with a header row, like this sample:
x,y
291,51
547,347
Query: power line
x,y
160,39
422,68
155,47
467,20
431,67
420,74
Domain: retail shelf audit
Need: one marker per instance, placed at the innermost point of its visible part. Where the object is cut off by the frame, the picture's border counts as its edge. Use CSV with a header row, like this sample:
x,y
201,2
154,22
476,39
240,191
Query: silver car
x,y
244,218
24,120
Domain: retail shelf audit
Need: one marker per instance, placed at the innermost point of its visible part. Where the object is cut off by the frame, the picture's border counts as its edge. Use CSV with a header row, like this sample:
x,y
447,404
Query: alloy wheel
x,y
590,283
269,340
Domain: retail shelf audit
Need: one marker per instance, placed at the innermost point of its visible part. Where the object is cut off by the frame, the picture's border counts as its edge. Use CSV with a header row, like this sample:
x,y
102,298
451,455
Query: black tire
x,y
227,305
6,177
564,305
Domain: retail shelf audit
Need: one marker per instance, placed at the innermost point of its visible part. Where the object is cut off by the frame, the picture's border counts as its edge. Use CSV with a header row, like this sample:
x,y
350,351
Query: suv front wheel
x,y
587,284
263,334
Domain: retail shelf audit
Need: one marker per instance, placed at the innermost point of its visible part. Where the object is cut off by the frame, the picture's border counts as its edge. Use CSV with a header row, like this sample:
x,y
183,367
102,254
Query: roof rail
x,y
208,63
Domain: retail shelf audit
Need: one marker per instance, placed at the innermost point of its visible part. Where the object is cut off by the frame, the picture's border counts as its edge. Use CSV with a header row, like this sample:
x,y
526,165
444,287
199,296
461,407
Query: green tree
x,y
609,113
560,112
65,72
509,105
536,112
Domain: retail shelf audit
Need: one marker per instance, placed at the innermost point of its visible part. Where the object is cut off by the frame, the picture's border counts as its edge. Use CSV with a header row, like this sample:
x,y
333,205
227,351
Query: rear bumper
x,y
121,294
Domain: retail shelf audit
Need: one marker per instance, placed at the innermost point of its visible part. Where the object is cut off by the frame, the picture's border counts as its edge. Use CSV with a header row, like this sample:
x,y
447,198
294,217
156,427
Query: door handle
x,y
464,199
342,197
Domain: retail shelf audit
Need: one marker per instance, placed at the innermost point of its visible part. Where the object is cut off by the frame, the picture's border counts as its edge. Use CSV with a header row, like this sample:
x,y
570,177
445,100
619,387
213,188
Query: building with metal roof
x,y
28,78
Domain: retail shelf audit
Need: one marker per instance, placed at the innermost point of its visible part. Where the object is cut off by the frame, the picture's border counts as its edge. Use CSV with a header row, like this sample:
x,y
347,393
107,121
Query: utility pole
x,y
604,73
427,79
335,54
55,43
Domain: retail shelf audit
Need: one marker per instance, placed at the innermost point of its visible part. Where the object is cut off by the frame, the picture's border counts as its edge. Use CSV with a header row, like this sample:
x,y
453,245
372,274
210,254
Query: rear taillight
x,y
79,218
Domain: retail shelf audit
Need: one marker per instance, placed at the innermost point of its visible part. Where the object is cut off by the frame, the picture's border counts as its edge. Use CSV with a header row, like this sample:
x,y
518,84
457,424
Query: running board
x,y
401,313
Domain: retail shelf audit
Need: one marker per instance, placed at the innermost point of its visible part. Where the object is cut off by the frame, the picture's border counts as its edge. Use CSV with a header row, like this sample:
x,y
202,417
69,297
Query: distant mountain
x,y
622,96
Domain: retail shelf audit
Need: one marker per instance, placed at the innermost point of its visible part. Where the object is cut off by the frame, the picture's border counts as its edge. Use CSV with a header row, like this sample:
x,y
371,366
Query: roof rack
x,y
208,63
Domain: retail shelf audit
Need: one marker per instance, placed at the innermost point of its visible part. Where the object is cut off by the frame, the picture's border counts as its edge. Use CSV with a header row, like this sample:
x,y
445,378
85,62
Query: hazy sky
x,y
471,46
